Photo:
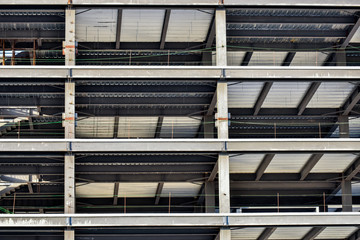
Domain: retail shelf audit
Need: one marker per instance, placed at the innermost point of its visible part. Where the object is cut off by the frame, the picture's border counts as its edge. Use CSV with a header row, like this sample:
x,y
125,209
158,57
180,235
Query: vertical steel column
x,y
343,126
69,191
222,93
208,126
209,197
69,45
346,196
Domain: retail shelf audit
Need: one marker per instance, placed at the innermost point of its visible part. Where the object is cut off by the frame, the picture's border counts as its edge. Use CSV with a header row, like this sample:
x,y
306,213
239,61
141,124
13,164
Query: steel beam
x,y
288,59
310,164
180,220
165,28
313,233
246,59
266,233
351,101
207,54
158,192
263,165
307,97
116,193
158,127
352,170
118,29
262,96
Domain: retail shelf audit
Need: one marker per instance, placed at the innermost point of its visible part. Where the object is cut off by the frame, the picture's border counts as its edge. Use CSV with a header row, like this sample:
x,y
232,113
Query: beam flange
x,y
118,28
313,233
165,28
263,165
266,233
310,164
261,98
307,97
158,192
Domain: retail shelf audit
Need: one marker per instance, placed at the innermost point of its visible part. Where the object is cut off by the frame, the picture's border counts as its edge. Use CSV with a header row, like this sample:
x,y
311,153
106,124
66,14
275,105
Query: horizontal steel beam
x,y
190,3
180,220
183,145
184,72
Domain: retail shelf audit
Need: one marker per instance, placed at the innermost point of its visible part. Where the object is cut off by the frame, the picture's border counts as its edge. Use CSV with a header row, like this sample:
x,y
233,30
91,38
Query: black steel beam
x,y
307,97
118,29
288,59
352,32
351,101
261,98
352,170
158,192
310,164
207,53
246,59
165,28
313,233
266,233
263,165
116,193
158,127
32,34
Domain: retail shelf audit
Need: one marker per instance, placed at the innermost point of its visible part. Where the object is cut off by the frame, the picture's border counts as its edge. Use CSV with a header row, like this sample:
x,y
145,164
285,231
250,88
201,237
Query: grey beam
x,y
352,32
263,165
288,59
246,59
158,127
310,164
313,74
355,235
116,193
261,98
313,233
118,29
308,96
181,220
351,101
207,54
116,127
181,145
266,233
165,28
352,170
213,173
158,192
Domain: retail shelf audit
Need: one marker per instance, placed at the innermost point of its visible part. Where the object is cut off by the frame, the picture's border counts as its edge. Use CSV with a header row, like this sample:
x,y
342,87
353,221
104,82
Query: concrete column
x,y
69,45
69,116
224,183
208,126
209,197
225,234
69,184
220,31
221,60
343,126
69,235
346,196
